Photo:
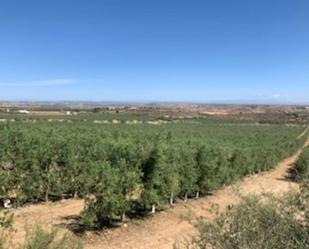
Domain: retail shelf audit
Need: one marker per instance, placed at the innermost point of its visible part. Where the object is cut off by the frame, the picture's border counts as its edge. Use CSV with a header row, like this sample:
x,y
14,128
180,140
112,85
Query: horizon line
x,y
151,102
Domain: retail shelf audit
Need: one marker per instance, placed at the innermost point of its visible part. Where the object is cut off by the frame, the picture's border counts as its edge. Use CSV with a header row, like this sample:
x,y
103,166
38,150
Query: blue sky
x,y
156,50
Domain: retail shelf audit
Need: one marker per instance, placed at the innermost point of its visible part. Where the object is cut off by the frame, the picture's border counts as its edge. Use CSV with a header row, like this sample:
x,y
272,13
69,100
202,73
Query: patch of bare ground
x,y
165,228
44,215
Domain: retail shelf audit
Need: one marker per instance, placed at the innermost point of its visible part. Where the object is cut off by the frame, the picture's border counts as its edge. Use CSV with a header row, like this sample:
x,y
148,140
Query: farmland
x,y
154,125
125,172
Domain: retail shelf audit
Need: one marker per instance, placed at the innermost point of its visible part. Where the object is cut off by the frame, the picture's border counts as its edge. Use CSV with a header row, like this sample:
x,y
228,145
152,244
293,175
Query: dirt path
x,y
162,230
303,133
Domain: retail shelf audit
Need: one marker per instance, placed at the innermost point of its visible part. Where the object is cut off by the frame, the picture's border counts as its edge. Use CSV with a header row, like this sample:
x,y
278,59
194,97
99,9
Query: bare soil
x,y
164,229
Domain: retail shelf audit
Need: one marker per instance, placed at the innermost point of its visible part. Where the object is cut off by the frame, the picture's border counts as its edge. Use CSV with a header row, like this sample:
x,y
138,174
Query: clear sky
x,y
155,50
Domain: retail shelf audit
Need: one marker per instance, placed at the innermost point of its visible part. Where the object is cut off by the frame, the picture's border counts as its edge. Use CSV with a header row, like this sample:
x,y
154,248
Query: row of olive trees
x,y
114,167
273,223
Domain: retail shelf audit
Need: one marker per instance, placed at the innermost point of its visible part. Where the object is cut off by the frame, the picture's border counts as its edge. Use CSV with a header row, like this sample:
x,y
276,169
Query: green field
x,y
121,169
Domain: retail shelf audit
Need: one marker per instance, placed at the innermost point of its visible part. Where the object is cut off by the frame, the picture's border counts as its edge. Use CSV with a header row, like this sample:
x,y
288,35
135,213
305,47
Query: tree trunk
x,y
48,184
186,197
123,217
197,194
153,209
47,190
47,194
75,195
171,199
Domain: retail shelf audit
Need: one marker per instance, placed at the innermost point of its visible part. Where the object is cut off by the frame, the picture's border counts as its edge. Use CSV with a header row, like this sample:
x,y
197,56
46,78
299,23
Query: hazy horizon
x,y
124,102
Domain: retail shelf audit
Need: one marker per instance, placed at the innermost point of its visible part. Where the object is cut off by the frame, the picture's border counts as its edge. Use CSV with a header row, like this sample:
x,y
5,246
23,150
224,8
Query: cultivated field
x,y
138,184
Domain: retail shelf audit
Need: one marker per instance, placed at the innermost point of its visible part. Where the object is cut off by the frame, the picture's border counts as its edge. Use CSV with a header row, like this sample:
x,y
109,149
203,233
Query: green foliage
x,y
112,165
188,173
302,165
273,224
108,196
41,239
6,221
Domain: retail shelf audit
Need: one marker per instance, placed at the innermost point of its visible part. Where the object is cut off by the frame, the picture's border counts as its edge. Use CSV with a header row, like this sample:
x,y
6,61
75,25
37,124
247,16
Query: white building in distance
x,y
23,112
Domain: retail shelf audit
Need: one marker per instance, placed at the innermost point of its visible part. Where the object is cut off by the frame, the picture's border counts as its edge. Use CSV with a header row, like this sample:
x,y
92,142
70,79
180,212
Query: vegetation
x,y
6,220
302,165
274,223
41,239
120,168
271,224
36,239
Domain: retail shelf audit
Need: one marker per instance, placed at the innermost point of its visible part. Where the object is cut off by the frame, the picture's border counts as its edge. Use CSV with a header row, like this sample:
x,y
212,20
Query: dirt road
x,y
165,228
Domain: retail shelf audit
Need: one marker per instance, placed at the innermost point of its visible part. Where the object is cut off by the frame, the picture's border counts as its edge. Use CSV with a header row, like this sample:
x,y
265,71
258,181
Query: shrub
x,y
302,165
6,220
36,239
254,224
41,239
